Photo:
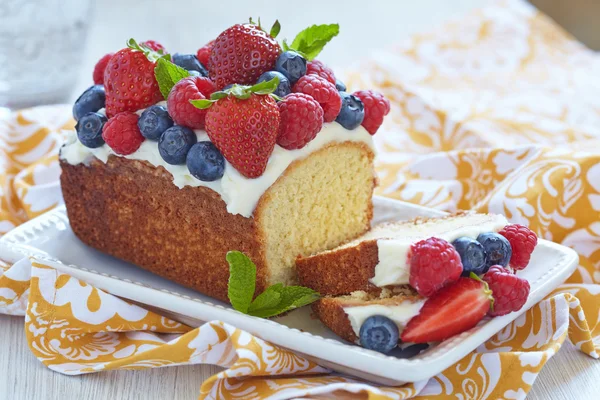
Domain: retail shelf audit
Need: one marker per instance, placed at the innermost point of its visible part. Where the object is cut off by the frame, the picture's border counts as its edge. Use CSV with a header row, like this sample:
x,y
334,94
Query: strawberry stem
x,y
486,289
240,92
150,54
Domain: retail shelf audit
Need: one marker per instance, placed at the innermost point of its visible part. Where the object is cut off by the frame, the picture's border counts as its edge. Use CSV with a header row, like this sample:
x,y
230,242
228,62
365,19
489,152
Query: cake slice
x,y
379,258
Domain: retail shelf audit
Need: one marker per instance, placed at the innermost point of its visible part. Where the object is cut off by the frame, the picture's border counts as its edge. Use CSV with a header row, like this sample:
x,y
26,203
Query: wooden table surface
x,y
183,26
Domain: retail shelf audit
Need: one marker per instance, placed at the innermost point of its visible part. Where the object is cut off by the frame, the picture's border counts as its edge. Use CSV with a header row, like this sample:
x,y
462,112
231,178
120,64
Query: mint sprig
x,y
167,75
241,92
312,40
276,299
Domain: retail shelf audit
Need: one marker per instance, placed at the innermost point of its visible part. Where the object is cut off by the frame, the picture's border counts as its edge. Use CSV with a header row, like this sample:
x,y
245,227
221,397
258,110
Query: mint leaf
x,y
242,280
291,297
167,75
311,40
275,29
270,298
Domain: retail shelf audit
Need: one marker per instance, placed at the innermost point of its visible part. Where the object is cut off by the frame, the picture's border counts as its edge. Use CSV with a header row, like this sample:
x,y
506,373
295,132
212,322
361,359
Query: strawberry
x,y
241,54
452,310
245,131
129,82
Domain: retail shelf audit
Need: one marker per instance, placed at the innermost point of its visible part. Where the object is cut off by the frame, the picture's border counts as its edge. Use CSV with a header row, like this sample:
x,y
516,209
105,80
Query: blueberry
x,y
89,129
91,100
189,62
284,87
154,121
352,112
497,248
472,255
205,162
379,333
174,144
412,350
292,65
340,86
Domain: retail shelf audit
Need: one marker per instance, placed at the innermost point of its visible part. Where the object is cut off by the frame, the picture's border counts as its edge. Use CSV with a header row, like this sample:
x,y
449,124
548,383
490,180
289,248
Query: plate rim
x,y
391,369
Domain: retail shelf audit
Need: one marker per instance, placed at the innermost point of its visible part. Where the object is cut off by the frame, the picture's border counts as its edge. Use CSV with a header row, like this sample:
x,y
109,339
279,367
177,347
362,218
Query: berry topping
x,y
178,102
284,88
130,83
99,69
241,54
301,120
472,255
205,162
379,333
189,62
91,100
352,112
523,241
340,86
153,45
316,67
89,129
203,53
292,65
433,264
122,134
376,107
154,121
244,130
509,291
323,92
175,143
496,247
452,310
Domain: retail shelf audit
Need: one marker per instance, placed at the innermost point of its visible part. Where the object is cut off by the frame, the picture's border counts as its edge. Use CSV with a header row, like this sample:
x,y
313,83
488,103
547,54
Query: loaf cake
x,y
420,281
178,159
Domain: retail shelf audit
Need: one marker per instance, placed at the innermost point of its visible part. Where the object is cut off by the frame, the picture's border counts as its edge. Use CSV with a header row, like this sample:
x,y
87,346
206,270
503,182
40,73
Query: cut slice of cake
x,y
380,257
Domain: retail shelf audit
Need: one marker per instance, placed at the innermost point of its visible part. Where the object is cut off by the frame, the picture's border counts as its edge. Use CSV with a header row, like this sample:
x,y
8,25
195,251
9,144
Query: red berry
x,y
434,263
509,291
203,53
523,241
324,92
100,67
376,107
122,134
241,54
244,130
452,310
316,67
301,120
178,102
129,82
153,44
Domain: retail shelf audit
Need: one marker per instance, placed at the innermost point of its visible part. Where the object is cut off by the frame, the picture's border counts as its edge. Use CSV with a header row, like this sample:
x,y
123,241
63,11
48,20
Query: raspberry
x,y
523,241
301,120
203,53
323,91
434,263
122,134
99,69
316,67
153,44
509,291
178,102
376,107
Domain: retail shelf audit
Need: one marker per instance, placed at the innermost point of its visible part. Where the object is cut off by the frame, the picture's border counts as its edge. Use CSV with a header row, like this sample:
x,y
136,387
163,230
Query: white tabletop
x,y
184,26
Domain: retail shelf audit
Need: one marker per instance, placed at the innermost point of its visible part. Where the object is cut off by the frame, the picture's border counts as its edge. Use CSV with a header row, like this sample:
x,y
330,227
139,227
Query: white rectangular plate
x,y
50,237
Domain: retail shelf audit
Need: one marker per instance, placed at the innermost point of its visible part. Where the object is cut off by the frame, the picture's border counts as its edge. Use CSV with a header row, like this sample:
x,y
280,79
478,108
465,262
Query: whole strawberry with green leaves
x,y
243,123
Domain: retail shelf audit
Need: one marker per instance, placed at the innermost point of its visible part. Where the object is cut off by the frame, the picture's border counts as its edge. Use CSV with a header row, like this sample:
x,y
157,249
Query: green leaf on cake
x,y
311,40
276,299
167,75
242,280
239,91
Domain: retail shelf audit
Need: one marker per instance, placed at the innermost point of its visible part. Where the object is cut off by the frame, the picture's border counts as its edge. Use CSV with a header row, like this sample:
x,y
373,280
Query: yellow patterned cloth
x,y
498,111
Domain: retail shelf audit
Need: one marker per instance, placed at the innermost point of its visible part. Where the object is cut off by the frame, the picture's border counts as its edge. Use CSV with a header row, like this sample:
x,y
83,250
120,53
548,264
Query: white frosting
x,y
241,194
393,243
400,314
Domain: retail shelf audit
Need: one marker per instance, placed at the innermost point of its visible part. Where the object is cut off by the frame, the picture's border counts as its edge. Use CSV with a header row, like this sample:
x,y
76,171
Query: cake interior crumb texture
x,y
316,207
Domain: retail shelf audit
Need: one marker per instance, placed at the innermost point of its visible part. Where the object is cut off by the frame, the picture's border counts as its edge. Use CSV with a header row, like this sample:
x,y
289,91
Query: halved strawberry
x,y
452,310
